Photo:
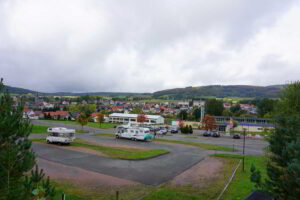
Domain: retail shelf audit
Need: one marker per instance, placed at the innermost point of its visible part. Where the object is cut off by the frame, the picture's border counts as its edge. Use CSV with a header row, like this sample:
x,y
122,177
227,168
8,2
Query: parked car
x,y
216,134
207,134
236,136
163,131
174,130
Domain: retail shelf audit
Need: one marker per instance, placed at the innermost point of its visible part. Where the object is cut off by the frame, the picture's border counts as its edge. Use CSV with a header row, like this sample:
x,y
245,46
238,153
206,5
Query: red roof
x,y
94,114
59,112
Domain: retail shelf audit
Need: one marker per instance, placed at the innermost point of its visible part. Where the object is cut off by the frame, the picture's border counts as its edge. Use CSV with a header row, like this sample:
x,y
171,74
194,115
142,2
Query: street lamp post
x,y
244,149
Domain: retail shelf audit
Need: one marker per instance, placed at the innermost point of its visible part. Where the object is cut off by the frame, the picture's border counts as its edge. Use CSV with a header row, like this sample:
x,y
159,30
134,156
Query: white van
x,y
134,133
60,135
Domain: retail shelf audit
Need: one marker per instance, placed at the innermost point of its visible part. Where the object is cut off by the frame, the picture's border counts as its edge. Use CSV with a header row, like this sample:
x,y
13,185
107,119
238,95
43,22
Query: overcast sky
x,y
147,45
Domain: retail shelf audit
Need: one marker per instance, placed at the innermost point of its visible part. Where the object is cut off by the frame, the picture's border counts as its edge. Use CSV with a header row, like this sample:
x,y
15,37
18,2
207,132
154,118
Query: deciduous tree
x,y
142,118
182,115
197,114
100,118
83,120
214,107
209,122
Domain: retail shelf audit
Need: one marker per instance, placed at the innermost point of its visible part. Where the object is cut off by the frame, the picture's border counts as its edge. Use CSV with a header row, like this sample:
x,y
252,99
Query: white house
x,y
126,118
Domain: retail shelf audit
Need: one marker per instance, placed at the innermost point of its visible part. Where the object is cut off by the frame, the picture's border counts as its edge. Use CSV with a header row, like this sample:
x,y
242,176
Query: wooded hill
x,y
217,91
220,91
16,90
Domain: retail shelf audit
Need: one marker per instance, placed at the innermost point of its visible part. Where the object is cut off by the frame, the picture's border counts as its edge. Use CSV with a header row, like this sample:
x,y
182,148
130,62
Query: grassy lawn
x,y
194,137
116,152
105,134
90,124
79,192
200,145
252,133
80,131
210,190
39,129
241,185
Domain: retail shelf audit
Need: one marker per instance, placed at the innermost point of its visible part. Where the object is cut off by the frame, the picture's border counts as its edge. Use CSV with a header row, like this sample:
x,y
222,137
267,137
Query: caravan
x,y
134,133
60,135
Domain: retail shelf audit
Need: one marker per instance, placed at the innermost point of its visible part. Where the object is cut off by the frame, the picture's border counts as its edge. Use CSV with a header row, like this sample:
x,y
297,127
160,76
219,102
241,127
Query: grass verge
x,y
105,134
80,131
39,129
116,152
79,192
90,124
200,145
241,185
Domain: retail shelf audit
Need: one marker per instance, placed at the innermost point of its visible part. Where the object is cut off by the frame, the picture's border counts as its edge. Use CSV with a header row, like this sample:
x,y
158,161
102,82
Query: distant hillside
x,y
180,93
221,91
16,90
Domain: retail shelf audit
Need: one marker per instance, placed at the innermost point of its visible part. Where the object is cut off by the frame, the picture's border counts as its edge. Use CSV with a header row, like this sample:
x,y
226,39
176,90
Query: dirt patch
x,y
78,176
200,174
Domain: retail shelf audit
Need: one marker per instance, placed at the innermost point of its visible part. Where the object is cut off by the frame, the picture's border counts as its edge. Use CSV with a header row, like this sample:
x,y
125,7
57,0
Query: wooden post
x,y
117,195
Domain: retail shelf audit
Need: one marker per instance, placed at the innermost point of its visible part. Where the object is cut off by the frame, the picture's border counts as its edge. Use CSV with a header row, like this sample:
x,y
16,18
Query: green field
x,y
241,185
90,124
200,145
39,129
117,152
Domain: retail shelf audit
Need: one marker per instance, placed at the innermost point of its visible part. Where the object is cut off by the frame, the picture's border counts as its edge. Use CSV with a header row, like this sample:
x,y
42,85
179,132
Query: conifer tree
x,y
16,156
283,168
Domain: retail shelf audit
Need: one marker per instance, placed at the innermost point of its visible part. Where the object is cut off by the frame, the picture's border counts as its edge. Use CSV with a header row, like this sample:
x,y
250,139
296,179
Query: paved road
x,y
153,171
252,146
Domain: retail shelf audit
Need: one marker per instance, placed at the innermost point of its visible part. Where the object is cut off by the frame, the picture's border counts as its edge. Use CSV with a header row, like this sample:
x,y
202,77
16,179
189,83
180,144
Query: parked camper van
x,y
134,133
60,135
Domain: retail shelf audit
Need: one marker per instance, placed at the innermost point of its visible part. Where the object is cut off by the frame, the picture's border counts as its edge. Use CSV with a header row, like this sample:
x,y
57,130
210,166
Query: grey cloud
x,y
135,46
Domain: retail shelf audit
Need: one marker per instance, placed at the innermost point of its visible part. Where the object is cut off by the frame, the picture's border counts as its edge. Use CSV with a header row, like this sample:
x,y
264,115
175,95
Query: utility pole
x,y
244,150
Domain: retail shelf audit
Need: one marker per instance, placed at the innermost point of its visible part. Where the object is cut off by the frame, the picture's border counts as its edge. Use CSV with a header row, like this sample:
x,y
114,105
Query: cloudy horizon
x,y
146,46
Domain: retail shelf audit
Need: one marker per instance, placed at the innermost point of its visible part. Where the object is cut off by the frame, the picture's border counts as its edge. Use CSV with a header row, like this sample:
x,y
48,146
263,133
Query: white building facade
x,y
125,118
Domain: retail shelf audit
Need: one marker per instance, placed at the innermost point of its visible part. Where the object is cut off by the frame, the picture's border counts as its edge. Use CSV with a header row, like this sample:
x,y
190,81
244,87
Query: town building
x,y
250,124
125,118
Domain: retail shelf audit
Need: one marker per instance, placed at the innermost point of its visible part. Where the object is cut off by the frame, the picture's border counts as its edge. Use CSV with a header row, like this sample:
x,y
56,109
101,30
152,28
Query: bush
x,y
190,129
184,129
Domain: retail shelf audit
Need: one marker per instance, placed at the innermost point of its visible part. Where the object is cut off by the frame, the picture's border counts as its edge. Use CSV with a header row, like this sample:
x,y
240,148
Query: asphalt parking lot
x,y
252,146
153,171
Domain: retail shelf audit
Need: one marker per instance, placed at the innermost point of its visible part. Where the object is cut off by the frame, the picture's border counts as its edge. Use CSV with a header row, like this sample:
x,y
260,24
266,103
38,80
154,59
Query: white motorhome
x,y
60,135
134,133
